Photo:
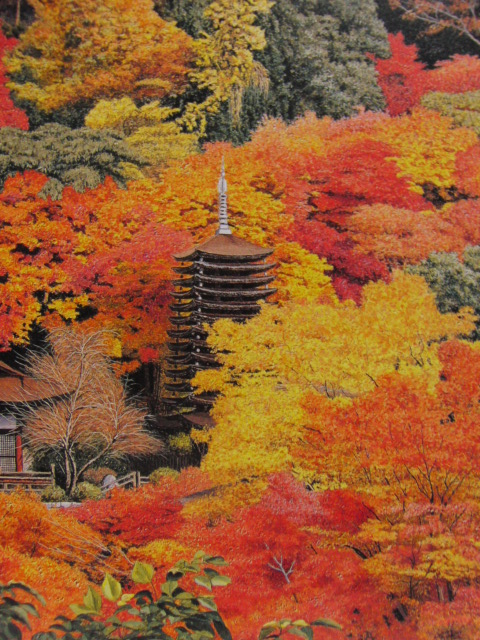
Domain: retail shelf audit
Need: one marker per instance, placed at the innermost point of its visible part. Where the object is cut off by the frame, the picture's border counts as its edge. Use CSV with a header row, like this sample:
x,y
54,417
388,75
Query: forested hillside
x,y
337,492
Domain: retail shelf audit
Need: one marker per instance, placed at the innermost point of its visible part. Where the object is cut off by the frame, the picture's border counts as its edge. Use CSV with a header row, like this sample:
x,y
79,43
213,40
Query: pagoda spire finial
x,y
223,228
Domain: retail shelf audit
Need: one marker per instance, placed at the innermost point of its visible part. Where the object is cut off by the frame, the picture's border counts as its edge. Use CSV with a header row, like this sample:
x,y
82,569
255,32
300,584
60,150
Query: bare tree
x,y
88,416
463,16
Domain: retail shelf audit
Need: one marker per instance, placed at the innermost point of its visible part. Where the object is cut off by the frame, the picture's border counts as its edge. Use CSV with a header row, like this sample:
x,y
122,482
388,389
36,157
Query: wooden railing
x,y
131,480
30,480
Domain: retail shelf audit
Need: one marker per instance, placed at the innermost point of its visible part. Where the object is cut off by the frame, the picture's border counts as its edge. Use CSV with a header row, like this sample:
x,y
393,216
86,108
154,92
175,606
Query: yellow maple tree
x,y
335,351
224,63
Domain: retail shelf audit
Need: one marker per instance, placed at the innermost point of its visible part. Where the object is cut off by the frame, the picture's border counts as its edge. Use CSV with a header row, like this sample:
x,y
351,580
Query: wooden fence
x,y
132,480
30,480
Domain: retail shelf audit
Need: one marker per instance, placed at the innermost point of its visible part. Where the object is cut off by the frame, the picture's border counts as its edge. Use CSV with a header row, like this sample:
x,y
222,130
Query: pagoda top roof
x,y
225,246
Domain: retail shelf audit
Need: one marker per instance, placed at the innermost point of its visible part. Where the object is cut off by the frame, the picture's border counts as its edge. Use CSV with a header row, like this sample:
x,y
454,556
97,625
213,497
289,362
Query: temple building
x,y
224,277
16,391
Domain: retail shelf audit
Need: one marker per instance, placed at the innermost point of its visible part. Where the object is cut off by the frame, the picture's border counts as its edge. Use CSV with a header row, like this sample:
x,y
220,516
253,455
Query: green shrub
x,y
54,493
87,491
162,472
180,443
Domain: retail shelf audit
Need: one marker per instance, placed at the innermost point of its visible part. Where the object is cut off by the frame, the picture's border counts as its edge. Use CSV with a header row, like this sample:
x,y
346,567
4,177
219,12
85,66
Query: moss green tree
x,y
456,284
316,60
463,108
81,158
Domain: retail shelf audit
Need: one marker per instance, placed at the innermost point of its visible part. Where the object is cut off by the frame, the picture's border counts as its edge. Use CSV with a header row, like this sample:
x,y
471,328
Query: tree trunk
x,y
74,476
68,474
18,13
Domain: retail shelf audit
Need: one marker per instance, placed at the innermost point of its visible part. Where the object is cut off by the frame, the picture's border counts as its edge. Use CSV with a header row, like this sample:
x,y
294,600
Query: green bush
x,y
54,493
145,614
162,472
87,491
180,443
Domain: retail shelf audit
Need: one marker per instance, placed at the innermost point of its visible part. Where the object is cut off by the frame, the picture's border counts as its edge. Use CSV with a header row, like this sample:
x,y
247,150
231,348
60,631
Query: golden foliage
x,y
112,48
150,130
224,62
330,350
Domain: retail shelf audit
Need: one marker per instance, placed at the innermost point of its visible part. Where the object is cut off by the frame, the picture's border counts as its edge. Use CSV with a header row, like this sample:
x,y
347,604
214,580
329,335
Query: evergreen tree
x,y
187,14
81,158
337,36
456,284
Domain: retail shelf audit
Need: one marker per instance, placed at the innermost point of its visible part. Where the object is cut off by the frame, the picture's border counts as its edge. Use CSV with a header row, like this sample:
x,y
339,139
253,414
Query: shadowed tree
x,y
316,60
89,418
460,16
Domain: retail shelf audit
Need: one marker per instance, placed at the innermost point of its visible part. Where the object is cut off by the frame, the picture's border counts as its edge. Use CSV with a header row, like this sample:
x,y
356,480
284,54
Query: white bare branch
x,y
89,415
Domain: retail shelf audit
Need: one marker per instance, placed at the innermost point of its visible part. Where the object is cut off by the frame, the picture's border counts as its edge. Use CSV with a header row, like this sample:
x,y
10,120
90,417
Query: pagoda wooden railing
x,y
30,480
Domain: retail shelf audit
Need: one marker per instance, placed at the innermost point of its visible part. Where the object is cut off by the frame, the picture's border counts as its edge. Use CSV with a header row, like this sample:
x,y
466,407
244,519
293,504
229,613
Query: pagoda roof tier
x,y
206,358
252,281
227,307
179,358
183,282
182,308
202,366
179,373
187,268
178,386
183,320
206,399
183,295
197,330
175,401
219,267
201,344
199,419
251,294
179,333
246,268
179,346
225,247
213,317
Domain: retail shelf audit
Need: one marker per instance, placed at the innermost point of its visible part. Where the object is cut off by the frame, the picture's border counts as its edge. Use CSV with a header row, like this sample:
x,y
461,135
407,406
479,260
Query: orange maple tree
x,y
100,257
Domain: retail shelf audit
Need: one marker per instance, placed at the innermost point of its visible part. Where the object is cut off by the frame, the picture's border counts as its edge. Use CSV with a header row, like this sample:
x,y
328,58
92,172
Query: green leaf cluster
x,y
299,628
195,616
15,614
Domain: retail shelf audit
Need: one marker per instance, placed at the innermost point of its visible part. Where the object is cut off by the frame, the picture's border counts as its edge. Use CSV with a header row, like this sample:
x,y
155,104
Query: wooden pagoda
x,y
224,277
